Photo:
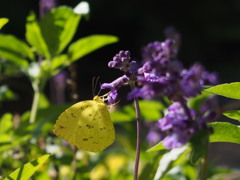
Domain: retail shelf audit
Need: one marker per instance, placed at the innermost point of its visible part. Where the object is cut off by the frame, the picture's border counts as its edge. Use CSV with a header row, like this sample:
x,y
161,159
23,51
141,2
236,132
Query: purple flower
x,y
122,61
175,139
190,84
179,126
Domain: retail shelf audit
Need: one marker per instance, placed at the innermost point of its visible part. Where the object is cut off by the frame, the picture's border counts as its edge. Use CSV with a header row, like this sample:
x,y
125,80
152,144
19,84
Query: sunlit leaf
x,y
6,123
34,36
125,114
15,50
27,170
149,169
167,160
225,132
157,147
233,114
58,28
3,21
58,63
230,90
149,110
199,143
88,44
196,102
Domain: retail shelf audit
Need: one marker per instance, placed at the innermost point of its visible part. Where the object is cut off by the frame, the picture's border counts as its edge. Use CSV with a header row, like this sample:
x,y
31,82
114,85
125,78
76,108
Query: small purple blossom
x,y
191,84
123,62
178,125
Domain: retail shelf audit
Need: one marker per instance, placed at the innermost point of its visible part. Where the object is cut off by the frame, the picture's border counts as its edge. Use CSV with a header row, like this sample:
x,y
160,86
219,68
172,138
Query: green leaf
x,y
199,142
3,21
15,50
88,44
6,123
58,28
27,170
125,114
225,132
231,90
150,168
233,114
150,110
58,63
196,102
34,36
168,159
157,147
6,94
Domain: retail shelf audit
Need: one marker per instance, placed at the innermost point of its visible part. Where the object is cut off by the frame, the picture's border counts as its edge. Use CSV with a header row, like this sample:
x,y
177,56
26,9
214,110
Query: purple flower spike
x,y
122,61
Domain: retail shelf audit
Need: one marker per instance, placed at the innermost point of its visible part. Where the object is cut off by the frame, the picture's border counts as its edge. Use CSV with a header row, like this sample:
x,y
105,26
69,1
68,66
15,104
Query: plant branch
x,y
203,171
34,106
136,104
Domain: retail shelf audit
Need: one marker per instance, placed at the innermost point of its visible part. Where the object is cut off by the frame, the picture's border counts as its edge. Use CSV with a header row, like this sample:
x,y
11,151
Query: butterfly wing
x,y
66,124
95,130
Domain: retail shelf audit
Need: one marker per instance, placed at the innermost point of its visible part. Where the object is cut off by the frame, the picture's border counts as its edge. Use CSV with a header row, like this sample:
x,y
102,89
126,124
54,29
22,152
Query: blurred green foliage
x,y
28,136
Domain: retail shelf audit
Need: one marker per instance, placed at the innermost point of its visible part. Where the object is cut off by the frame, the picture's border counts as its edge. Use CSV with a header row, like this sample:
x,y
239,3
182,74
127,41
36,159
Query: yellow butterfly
x,y
87,125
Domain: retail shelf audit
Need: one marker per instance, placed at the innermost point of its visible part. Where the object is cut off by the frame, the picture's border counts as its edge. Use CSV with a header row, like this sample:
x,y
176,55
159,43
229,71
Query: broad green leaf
x,y
27,170
6,94
196,102
125,114
157,147
59,62
6,124
231,90
167,161
150,168
15,50
34,36
233,114
3,21
199,143
88,44
225,132
43,101
58,28
150,110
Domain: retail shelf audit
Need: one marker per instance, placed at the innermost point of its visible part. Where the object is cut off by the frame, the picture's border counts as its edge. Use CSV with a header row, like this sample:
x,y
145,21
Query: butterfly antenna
x,y
94,85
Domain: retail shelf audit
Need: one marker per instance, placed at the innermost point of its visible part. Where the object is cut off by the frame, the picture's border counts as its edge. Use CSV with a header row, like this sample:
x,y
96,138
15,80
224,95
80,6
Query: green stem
x,y
138,146
35,103
203,171
34,107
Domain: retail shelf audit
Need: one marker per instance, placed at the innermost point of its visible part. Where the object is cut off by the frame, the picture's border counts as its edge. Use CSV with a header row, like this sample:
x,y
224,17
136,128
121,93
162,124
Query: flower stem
x,y
136,104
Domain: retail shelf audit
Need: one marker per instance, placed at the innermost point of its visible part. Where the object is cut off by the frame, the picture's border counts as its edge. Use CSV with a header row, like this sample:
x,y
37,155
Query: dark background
x,y
210,33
